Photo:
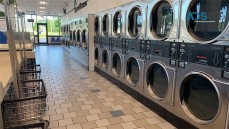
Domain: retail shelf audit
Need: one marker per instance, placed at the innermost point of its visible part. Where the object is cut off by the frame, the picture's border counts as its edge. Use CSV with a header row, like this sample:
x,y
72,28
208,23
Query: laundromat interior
x,y
114,64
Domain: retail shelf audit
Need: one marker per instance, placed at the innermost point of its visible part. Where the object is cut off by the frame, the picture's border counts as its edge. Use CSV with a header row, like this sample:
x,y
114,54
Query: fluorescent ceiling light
x,y
43,2
42,7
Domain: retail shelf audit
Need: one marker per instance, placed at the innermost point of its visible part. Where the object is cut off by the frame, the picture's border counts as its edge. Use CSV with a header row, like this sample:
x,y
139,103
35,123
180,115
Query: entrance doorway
x,y
42,32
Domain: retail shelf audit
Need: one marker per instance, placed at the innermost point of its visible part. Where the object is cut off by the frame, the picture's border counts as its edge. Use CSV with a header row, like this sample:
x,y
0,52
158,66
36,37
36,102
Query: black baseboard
x,y
162,112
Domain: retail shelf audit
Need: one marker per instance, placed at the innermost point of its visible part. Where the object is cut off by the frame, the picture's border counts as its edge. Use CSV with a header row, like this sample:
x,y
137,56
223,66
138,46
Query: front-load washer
x,y
204,21
202,85
162,20
134,64
84,35
160,72
136,19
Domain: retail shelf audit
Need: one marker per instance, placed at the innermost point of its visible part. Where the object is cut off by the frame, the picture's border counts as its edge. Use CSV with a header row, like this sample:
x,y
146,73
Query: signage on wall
x,y
80,6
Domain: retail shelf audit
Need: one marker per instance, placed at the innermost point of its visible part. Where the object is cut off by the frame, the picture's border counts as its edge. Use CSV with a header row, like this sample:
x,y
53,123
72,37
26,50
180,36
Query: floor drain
x,y
95,90
83,78
117,113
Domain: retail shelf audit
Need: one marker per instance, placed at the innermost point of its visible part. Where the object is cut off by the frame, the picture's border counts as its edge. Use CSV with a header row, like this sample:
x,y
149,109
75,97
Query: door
x,y
42,32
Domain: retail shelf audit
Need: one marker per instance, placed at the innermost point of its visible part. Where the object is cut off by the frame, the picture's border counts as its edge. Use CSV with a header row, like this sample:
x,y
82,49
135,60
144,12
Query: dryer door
x,y
117,64
105,59
199,97
132,70
96,56
157,80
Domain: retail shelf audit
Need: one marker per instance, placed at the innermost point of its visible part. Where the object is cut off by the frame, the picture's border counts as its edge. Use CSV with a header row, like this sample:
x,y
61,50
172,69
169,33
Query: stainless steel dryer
x,y
204,21
118,33
135,33
202,85
136,19
105,64
160,72
84,35
97,42
134,64
162,20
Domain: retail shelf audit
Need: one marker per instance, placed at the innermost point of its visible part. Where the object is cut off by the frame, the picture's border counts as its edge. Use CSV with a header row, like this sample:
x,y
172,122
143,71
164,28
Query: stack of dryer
x,y
116,45
102,43
202,84
80,51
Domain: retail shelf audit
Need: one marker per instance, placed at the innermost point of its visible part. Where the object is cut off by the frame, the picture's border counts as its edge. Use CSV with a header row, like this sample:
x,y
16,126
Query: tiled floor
x,y
78,99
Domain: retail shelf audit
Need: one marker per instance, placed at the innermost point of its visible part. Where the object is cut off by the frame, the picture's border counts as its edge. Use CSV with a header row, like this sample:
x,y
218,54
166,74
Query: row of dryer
x,y
173,52
189,80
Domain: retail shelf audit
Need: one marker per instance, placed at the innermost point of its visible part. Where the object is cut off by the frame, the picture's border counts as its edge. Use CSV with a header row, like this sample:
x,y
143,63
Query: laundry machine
x,y
97,42
202,85
105,64
162,20
204,21
135,34
136,13
84,35
117,40
160,72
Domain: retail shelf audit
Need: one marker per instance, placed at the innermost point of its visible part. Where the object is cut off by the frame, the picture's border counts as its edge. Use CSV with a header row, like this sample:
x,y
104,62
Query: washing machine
x,y
162,20
204,21
160,72
202,85
117,40
105,62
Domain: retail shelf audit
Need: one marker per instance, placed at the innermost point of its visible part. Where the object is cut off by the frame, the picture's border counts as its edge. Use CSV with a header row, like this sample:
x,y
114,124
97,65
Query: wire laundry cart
x,y
32,72
26,112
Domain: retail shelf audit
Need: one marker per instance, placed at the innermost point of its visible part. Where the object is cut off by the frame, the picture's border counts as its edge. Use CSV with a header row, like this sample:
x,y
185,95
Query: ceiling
x,y
42,7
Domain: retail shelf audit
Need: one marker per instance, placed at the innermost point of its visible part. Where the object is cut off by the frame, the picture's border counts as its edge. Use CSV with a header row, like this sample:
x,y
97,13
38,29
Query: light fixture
x,y
43,2
42,7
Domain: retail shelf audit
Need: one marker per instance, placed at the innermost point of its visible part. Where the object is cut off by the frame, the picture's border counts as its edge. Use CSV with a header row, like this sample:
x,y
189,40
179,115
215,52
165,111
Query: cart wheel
x,y
46,122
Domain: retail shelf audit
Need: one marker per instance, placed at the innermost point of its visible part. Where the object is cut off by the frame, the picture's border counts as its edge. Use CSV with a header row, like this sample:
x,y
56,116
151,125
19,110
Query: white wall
x,y
92,7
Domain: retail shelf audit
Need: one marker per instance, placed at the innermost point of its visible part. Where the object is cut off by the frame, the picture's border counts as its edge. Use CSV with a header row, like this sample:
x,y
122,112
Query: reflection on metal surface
x,y
105,59
161,19
200,97
106,25
96,56
157,80
135,22
132,70
117,64
207,19
117,23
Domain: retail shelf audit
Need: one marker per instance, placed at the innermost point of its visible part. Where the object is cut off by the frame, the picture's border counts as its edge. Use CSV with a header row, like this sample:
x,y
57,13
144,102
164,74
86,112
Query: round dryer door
x,y
132,70
105,59
157,80
117,64
97,26
161,19
78,38
135,22
117,23
96,56
84,39
207,19
106,25
199,96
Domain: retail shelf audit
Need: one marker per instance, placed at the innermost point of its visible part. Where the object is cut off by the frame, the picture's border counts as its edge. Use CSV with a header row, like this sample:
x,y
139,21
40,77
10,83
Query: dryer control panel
x,y
211,55
105,41
97,39
160,48
226,58
134,44
117,42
